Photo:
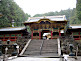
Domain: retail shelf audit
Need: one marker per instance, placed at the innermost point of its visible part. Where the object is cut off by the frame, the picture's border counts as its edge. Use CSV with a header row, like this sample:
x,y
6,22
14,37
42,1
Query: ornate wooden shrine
x,y
55,25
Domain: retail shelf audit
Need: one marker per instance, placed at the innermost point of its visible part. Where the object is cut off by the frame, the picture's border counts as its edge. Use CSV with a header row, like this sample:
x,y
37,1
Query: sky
x,y
33,7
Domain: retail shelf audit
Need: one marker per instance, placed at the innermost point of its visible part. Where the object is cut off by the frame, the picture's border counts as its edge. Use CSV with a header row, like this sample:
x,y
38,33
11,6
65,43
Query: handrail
x,y
25,47
41,46
59,47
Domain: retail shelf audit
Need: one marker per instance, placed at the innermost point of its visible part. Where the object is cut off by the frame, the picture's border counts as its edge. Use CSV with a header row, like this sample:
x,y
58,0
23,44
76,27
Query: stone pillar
x,y
51,35
32,35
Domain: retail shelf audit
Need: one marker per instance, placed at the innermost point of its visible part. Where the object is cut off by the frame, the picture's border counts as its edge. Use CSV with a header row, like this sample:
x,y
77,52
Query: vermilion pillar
x,y
32,35
51,35
39,35
59,33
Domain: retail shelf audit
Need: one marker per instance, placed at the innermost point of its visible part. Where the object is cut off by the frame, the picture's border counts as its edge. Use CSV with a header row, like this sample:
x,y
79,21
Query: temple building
x,y
55,25
75,31
11,34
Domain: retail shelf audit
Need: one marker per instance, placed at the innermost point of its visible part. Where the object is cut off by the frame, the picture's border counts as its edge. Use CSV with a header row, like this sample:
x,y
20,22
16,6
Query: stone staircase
x,y
49,48
33,48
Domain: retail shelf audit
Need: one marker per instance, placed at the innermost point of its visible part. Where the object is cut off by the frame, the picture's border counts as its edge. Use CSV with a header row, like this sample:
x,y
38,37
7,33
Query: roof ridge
x,y
47,16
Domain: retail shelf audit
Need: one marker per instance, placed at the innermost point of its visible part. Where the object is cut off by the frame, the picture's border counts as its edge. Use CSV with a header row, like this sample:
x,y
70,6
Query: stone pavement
x,y
73,59
15,58
34,59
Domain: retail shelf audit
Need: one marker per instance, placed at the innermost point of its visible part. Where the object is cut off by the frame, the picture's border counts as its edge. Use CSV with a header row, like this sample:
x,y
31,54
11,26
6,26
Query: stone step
x,y
34,47
49,47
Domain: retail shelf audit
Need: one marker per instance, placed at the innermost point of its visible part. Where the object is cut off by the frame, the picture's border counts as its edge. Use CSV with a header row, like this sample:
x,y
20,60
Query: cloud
x,y
41,6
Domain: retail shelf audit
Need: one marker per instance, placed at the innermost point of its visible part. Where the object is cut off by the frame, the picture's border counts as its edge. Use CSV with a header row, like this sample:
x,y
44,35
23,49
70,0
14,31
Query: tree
x,y
11,11
78,7
70,15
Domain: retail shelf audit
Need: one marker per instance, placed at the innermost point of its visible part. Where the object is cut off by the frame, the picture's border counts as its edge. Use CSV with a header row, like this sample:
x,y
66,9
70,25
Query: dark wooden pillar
x,y
51,35
39,35
79,35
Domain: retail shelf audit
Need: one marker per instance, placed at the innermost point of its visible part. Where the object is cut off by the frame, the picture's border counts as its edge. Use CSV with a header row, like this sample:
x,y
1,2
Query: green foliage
x,y
28,29
78,7
70,15
11,11
73,18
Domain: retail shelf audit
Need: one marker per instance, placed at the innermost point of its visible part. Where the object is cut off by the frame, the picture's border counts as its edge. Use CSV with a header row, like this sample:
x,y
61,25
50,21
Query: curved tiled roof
x,y
75,27
52,18
12,29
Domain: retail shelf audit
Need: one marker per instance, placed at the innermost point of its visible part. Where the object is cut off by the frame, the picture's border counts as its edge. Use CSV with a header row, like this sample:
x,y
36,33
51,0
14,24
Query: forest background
x,y
12,12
